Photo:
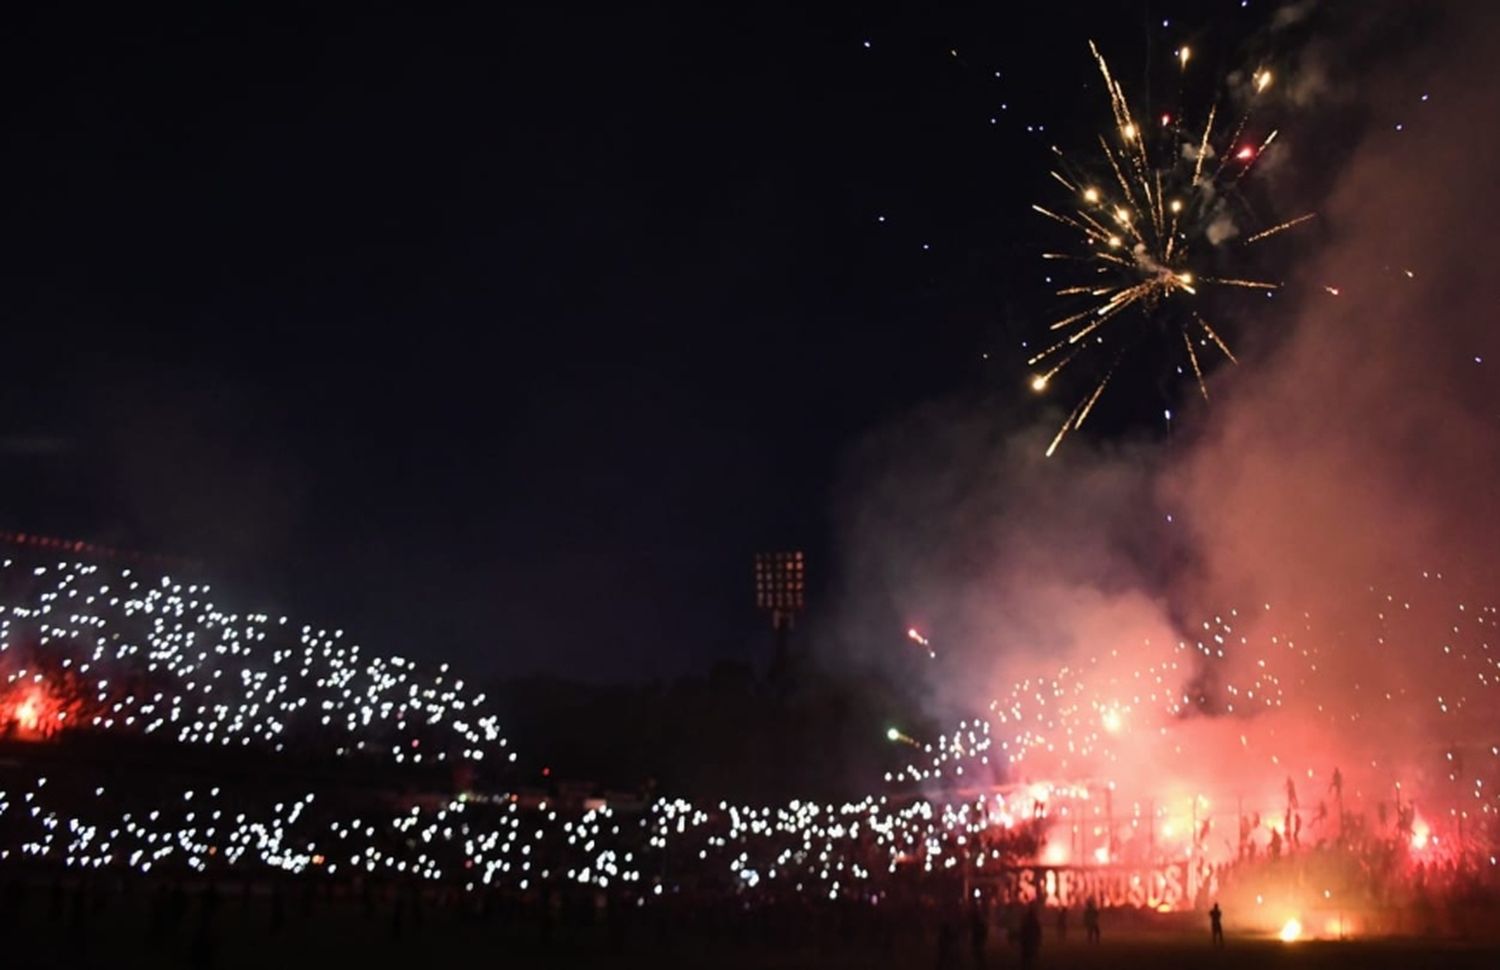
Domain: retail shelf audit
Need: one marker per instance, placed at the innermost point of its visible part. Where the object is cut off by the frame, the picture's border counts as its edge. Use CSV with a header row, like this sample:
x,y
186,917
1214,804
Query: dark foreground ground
x,y
336,941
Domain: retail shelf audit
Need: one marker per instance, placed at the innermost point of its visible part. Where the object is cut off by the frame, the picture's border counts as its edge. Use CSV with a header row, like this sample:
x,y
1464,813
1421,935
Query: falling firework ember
x,y
1153,217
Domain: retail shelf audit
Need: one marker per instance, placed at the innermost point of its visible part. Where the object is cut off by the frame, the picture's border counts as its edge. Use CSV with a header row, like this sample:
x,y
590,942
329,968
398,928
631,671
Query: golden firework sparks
x,y
1144,233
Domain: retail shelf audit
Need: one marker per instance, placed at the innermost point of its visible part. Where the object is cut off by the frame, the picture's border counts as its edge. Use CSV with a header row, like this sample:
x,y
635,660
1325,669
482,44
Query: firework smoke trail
x,y
1281,227
1187,342
1141,232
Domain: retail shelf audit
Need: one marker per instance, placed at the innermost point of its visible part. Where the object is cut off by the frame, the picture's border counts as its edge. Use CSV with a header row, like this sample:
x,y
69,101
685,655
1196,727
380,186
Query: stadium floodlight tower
x,y
780,590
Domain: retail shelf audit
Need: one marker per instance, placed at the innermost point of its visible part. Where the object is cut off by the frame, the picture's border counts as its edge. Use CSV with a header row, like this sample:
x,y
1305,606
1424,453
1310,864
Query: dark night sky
x,y
510,335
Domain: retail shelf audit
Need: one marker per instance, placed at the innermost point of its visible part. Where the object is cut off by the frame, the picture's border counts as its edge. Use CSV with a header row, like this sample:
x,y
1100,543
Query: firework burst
x,y
1152,218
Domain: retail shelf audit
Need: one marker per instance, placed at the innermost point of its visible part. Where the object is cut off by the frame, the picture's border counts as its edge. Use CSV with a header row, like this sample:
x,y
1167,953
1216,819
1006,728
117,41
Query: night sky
x,y
510,336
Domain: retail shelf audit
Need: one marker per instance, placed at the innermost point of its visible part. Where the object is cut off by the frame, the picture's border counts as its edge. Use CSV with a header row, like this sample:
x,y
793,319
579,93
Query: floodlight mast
x,y
780,591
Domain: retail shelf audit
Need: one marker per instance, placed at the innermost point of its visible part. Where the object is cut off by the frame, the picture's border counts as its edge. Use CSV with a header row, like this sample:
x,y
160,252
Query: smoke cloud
x,y
1299,583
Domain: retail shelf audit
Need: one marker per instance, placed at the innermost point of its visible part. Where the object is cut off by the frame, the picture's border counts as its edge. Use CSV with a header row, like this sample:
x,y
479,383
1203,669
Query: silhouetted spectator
x,y
1062,923
59,900
80,905
10,908
201,950
979,932
947,944
177,904
160,903
1216,922
1091,920
209,904
1031,936
278,908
